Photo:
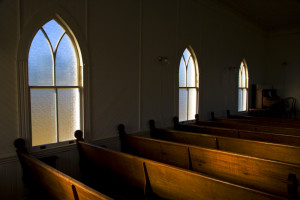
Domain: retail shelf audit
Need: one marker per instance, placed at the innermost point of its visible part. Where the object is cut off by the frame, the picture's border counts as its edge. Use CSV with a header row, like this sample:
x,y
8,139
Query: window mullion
x,y
57,118
187,103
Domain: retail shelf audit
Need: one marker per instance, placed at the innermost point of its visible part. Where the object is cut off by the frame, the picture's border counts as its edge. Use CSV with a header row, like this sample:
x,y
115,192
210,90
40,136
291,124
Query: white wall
x,y
124,39
283,66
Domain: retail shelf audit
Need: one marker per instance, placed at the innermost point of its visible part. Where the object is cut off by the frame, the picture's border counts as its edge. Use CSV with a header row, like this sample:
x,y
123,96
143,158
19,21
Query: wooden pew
x,y
257,122
261,174
158,180
251,127
242,134
271,151
265,119
46,182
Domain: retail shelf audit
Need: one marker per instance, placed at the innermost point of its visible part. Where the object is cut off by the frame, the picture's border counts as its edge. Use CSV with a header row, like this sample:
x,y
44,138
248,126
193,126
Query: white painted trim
x,y
27,34
9,159
140,65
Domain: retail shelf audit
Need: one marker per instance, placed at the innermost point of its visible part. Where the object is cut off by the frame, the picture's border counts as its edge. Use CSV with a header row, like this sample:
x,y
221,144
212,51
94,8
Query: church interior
x,y
128,57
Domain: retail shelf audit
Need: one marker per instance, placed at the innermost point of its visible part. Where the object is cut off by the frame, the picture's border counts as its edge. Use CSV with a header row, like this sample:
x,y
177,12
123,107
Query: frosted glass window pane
x,y
54,32
244,104
240,78
191,73
68,113
186,55
243,77
182,74
240,100
40,61
192,106
182,104
66,64
43,116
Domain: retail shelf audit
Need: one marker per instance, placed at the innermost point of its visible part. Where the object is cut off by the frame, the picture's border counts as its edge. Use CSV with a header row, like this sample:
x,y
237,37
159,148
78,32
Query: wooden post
x,y
228,113
20,145
78,135
197,118
212,114
121,130
152,128
292,186
175,122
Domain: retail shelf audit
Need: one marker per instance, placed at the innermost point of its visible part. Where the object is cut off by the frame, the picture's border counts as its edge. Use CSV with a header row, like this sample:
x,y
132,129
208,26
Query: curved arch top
x,y
243,84
71,38
188,85
40,18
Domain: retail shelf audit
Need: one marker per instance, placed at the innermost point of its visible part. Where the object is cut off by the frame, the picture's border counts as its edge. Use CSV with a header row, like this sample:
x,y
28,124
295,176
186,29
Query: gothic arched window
x,y
243,87
55,85
188,86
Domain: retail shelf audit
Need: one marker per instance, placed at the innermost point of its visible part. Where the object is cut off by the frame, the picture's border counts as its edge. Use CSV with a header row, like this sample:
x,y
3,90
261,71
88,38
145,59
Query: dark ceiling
x,y
268,14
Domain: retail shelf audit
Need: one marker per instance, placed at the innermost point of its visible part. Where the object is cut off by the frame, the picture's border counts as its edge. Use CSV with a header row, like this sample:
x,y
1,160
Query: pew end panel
x,y
45,182
113,173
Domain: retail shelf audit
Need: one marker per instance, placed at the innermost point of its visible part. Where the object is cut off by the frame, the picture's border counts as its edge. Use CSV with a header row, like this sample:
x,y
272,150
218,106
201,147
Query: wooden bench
x,y
257,122
158,180
271,151
251,127
265,175
265,119
46,182
242,134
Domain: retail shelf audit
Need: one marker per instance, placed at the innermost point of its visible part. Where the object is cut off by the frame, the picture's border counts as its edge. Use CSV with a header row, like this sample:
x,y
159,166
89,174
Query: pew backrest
x,y
251,127
57,184
169,182
261,174
250,135
176,183
266,150
271,123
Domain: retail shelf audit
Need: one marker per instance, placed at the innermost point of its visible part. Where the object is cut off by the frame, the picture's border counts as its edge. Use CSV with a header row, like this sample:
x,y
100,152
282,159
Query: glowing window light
x,y
243,87
53,78
188,86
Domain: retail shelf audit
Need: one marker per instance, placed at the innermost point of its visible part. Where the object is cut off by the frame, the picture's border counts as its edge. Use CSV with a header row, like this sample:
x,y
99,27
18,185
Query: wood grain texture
x,y
166,152
168,182
250,135
273,122
175,183
56,183
272,151
265,175
278,152
261,174
251,127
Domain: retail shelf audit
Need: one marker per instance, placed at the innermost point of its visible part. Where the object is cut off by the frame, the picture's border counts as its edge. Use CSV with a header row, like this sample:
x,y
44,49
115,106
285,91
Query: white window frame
x,y
193,57
24,91
243,87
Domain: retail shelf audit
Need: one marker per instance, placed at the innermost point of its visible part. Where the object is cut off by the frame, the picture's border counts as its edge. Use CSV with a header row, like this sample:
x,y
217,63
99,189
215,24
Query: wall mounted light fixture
x,y
163,59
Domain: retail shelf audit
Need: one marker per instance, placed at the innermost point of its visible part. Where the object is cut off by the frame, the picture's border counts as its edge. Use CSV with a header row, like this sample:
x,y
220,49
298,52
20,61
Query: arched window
x,y
243,87
188,86
55,85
